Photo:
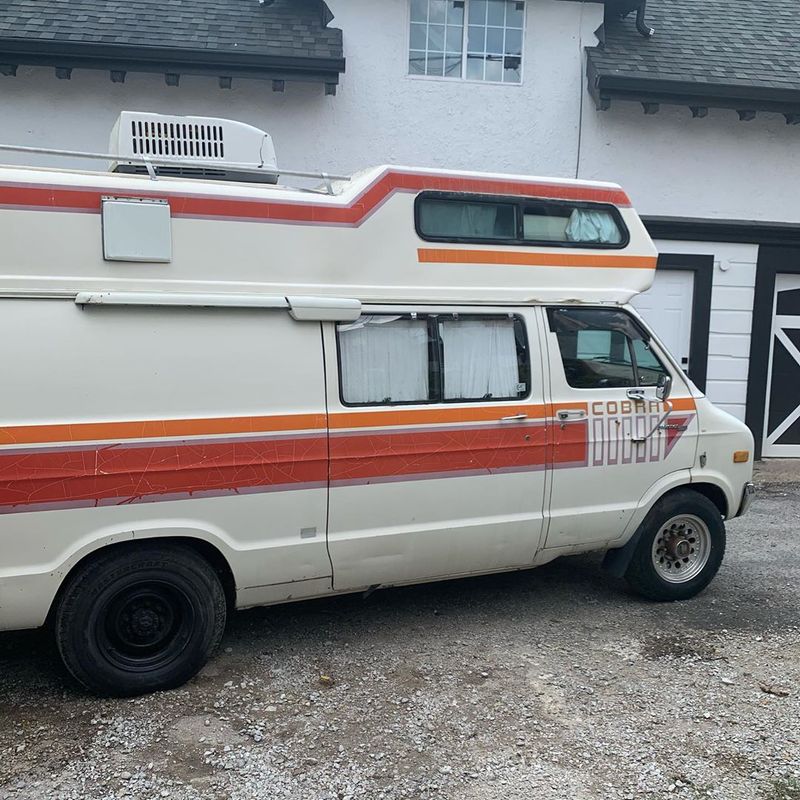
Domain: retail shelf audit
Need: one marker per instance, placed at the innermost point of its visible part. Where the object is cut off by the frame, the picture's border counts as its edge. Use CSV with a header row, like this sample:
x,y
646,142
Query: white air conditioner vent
x,y
185,139
193,147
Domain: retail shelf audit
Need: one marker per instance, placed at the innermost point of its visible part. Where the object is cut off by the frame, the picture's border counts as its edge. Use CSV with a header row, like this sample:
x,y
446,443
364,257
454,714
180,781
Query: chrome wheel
x,y
681,548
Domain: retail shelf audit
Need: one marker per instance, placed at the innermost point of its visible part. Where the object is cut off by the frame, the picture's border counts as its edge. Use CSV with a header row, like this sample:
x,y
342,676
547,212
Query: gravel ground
x,y
553,683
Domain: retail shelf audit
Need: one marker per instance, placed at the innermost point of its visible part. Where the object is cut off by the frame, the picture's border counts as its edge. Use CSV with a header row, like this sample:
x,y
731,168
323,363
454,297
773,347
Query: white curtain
x,y
384,359
586,225
480,358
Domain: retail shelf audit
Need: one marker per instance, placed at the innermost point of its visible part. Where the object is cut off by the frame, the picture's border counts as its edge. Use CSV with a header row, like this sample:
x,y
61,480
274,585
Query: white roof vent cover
x,y
204,147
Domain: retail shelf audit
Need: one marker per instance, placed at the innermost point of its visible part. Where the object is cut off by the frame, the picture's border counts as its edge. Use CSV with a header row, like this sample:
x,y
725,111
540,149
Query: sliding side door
x,y
437,444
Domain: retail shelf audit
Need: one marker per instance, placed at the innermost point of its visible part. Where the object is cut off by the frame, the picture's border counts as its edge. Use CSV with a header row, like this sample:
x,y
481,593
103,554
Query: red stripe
x,y
130,474
488,449
109,474
191,205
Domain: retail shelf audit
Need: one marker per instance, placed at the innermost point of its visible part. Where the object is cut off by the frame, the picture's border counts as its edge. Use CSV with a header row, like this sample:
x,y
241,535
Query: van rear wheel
x,y
680,548
136,619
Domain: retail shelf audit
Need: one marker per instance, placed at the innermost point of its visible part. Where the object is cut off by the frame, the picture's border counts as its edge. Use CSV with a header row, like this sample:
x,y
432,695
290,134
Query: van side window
x,y
482,359
453,217
602,348
385,359
467,220
433,358
559,222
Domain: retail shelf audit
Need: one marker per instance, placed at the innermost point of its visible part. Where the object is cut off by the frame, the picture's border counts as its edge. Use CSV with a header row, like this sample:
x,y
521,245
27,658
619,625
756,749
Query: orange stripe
x,y
156,429
683,404
431,416
527,259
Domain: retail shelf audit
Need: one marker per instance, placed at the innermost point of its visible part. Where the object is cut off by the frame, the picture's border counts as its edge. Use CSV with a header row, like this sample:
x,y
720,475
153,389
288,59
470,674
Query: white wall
x,y
717,167
731,318
380,115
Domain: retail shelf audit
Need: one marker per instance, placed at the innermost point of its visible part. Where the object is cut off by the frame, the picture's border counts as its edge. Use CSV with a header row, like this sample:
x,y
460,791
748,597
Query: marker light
x,y
741,456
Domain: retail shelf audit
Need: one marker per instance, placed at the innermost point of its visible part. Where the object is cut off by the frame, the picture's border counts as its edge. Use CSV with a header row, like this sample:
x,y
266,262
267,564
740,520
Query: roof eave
x,y
177,60
653,91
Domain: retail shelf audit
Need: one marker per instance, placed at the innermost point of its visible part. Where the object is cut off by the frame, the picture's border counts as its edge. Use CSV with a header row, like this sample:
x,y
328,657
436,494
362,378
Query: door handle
x,y
566,414
514,418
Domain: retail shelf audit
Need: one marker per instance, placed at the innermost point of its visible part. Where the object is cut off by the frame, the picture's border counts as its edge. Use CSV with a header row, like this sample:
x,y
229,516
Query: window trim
x,y
436,359
521,203
464,53
647,337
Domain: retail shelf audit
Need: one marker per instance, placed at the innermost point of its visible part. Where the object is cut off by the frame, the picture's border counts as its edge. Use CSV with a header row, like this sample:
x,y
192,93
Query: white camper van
x,y
219,392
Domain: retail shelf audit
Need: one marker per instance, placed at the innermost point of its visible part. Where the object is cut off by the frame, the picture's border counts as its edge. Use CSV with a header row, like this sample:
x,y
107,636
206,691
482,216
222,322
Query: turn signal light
x,y
741,456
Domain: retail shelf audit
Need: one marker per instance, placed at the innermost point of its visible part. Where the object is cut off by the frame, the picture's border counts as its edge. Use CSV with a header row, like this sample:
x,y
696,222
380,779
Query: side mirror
x,y
664,387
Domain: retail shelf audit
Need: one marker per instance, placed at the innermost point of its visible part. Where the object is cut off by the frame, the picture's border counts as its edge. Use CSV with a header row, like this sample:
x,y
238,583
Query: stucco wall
x,y
717,167
379,115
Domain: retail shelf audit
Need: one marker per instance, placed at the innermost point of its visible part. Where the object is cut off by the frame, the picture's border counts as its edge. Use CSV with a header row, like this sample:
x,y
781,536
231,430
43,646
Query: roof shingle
x,y
747,43
286,28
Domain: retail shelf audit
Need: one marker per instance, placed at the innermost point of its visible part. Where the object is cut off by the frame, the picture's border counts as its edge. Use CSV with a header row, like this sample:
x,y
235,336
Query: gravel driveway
x,y
552,683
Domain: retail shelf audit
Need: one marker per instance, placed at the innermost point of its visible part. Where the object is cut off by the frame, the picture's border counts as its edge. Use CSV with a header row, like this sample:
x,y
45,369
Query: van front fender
x,y
616,560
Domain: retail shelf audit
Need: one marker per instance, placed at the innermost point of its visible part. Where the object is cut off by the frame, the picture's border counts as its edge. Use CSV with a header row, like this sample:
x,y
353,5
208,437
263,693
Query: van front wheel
x,y
136,619
680,548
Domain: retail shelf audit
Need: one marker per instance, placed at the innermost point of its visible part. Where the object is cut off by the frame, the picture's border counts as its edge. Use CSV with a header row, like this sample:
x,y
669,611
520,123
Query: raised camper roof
x,y
388,234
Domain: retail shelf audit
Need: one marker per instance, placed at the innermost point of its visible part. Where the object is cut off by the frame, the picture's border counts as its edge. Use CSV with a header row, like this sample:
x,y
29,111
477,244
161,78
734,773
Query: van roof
x,y
359,241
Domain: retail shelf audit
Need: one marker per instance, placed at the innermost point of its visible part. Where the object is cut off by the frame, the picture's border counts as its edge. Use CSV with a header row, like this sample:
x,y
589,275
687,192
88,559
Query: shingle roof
x,y
287,28
750,44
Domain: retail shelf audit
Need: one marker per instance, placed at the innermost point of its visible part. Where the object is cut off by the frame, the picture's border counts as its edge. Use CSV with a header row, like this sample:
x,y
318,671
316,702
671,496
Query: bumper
x,y
747,498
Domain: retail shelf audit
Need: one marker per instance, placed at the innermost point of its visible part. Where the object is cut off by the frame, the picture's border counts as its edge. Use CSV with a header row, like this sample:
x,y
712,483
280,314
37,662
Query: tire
x,y
137,619
680,549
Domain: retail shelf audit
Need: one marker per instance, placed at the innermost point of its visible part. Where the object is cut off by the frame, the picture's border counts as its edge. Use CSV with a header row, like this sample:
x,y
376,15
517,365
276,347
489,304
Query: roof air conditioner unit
x,y
197,147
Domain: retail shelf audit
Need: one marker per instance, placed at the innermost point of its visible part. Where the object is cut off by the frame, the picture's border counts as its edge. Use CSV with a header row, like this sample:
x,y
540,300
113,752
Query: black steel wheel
x,y
135,619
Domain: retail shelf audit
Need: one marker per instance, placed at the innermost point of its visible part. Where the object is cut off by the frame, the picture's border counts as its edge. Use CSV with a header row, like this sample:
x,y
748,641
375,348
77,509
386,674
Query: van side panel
x,y
436,489
119,423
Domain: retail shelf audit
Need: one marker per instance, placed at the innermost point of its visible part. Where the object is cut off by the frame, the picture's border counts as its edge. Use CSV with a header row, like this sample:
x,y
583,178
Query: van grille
x,y
187,140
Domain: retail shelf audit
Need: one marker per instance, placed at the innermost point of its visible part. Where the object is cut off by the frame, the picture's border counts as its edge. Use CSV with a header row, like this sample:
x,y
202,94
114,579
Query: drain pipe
x,y
622,8
641,25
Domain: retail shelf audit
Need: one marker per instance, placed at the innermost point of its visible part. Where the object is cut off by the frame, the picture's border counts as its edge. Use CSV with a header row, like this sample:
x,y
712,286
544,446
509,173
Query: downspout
x,y
581,56
641,25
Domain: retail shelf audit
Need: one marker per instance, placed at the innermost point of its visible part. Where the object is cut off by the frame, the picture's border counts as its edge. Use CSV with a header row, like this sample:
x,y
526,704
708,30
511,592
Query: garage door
x,y
782,424
667,308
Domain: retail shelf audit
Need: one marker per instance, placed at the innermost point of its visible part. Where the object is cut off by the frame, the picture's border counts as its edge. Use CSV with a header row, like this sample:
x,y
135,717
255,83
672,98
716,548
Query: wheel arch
x,y
205,549
714,493
616,560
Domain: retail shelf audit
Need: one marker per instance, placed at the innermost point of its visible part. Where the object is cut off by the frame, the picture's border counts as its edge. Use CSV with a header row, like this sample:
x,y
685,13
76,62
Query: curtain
x,y
466,220
593,226
480,358
384,359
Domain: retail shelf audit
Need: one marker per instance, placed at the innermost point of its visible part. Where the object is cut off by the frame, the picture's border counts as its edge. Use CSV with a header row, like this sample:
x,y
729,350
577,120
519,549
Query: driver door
x,y
609,446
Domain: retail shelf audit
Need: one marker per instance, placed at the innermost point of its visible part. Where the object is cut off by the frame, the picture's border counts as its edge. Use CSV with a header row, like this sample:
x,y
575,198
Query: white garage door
x,y
667,307
782,423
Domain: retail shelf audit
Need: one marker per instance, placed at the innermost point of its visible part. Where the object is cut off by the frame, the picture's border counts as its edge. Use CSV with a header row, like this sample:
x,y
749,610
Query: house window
x,y
468,39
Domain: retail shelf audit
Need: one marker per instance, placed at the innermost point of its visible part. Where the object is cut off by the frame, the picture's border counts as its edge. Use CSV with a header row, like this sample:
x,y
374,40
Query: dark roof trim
x,y
723,230
604,88
176,60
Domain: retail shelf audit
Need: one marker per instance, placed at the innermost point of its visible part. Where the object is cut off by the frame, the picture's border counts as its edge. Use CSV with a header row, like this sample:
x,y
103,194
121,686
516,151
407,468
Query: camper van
x,y
220,391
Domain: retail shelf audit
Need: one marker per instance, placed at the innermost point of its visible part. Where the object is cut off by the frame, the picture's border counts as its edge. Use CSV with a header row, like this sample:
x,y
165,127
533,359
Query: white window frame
x,y
464,45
